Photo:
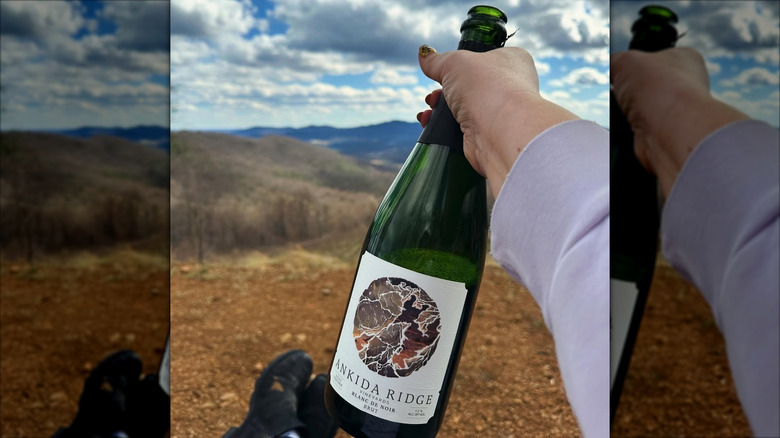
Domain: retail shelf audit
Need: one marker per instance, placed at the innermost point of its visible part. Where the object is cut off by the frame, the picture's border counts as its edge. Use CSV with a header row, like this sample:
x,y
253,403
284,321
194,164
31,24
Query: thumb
x,y
430,62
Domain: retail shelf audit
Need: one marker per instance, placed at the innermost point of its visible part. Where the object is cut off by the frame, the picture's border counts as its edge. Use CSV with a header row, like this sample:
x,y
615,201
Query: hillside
x,y
63,193
156,136
231,193
230,320
388,142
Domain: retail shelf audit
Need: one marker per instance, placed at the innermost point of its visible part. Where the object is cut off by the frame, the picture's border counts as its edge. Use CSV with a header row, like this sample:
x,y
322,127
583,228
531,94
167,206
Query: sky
x,y
345,63
292,63
65,64
740,41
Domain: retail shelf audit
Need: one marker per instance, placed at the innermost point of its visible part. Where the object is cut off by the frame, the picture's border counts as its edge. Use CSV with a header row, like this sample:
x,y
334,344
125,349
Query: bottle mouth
x,y
490,11
658,20
658,12
486,24
654,29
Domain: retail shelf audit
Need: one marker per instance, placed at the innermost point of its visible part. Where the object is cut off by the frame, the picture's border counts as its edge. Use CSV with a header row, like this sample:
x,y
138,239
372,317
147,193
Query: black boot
x,y
312,410
148,409
273,408
103,402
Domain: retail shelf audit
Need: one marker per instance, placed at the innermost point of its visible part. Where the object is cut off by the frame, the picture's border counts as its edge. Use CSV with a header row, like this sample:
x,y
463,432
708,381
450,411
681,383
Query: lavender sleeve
x,y
550,231
720,231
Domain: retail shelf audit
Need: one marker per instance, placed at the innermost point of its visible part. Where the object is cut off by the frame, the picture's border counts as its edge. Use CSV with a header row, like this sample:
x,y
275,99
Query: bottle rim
x,y
657,11
491,11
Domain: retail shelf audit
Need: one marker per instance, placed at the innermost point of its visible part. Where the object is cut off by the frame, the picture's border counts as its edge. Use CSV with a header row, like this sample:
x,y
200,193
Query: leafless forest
x,y
231,194
62,194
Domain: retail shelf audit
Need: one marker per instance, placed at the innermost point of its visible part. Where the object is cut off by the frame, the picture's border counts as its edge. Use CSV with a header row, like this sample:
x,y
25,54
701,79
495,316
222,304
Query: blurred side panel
x,y
84,206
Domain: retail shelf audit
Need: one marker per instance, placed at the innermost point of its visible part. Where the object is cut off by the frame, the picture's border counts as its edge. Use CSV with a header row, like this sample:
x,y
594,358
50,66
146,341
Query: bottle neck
x,y
475,46
652,34
443,129
481,39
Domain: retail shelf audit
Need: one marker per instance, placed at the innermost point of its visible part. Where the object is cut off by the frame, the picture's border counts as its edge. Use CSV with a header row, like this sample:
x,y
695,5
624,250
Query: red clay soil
x,y
229,322
58,323
679,383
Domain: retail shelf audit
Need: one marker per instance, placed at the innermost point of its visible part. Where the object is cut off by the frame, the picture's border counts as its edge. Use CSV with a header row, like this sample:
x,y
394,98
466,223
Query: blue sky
x,y
236,63
739,40
69,64
242,63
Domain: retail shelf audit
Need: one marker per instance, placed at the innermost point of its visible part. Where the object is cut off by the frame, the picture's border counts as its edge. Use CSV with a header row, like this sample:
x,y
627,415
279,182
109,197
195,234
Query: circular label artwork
x,y
396,327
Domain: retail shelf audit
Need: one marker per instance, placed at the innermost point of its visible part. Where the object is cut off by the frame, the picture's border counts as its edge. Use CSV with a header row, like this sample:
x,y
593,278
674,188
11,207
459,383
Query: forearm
x,y
685,126
720,230
550,231
502,136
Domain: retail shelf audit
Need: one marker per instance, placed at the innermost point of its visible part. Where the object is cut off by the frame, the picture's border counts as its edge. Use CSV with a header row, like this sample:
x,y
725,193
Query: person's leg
x,y
103,402
313,413
273,408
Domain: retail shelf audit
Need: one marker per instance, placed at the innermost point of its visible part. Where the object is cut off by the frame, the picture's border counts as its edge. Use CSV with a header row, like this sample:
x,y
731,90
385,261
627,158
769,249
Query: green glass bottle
x,y
417,280
634,213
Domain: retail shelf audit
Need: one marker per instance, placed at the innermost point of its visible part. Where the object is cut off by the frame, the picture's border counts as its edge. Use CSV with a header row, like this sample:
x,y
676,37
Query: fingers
x,y
432,98
424,117
430,62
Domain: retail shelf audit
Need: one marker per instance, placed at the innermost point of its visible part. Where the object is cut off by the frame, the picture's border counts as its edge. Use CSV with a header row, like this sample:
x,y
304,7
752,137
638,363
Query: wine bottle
x,y
634,213
417,280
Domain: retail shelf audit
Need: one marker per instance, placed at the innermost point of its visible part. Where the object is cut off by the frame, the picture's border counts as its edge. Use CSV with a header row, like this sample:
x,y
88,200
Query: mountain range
x,y
156,136
390,141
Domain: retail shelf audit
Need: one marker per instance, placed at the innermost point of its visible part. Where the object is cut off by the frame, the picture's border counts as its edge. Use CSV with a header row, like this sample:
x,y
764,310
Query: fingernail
x,y
426,50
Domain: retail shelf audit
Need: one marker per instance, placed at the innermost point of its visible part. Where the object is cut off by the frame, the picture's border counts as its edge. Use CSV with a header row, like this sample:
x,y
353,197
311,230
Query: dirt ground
x,y
229,322
679,383
59,321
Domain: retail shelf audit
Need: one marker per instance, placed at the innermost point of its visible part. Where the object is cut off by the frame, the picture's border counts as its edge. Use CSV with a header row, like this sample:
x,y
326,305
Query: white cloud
x,y
594,108
291,72
752,76
58,81
712,67
387,75
728,96
585,76
766,108
746,29
542,68
142,25
40,20
209,18
186,51
560,95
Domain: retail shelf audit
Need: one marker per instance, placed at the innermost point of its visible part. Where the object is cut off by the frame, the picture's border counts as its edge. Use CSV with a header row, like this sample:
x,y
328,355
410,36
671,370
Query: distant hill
x,y
276,160
156,136
236,193
65,193
391,141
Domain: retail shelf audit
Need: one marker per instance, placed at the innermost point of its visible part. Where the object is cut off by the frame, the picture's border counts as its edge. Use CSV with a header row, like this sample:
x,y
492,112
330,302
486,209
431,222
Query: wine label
x,y
393,351
622,300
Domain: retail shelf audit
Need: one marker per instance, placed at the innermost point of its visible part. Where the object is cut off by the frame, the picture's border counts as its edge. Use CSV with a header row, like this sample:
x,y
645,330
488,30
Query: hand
x,y
495,98
666,99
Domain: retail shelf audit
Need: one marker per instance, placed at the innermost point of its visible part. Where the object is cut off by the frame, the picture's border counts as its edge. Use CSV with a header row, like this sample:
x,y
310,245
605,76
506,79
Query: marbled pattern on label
x,y
396,327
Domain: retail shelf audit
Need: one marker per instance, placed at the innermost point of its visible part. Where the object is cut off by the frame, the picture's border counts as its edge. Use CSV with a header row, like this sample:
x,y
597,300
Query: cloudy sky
x,y
740,41
242,63
69,64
